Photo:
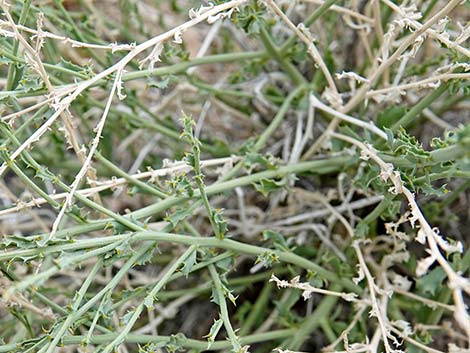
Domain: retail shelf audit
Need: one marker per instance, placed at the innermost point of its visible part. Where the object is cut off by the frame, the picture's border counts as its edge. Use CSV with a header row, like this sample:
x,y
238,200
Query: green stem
x,y
184,65
52,67
325,166
119,172
278,118
73,314
234,340
411,116
377,211
308,22
313,321
13,74
256,311
275,53
326,327
64,263
170,294
211,242
161,71
188,343
150,298
117,277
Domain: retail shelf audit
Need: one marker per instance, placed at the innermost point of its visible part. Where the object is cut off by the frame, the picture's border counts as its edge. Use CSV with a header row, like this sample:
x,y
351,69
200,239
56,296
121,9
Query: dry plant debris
x,y
242,175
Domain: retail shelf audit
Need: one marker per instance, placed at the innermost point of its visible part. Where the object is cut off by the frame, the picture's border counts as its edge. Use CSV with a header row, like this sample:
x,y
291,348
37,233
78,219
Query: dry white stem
x,y
457,283
364,272
351,76
452,67
435,34
113,47
358,204
39,37
414,49
430,82
353,79
33,58
117,68
154,55
302,135
176,167
280,350
362,92
305,36
343,10
119,85
73,91
178,37
428,302
464,34
307,289
406,337
10,117
195,13
94,145
344,334
363,124
376,309
220,16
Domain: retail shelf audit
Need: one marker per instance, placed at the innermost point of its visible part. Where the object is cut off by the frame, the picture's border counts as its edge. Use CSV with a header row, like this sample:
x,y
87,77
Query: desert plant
x,y
237,175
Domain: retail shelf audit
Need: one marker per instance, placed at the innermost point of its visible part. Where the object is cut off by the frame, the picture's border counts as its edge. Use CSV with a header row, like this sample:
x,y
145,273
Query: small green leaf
x,y
181,186
189,263
255,160
406,145
266,186
277,239
362,230
160,84
431,282
226,264
30,83
149,301
428,189
179,215
251,18
214,330
127,317
388,117
220,223
146,257
124,249
69,65
176,343
268,257
228,294
215,296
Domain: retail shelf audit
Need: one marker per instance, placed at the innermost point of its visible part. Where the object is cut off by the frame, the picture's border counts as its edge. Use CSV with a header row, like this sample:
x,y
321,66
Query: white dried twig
x,y
307,289
305,36
434,241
